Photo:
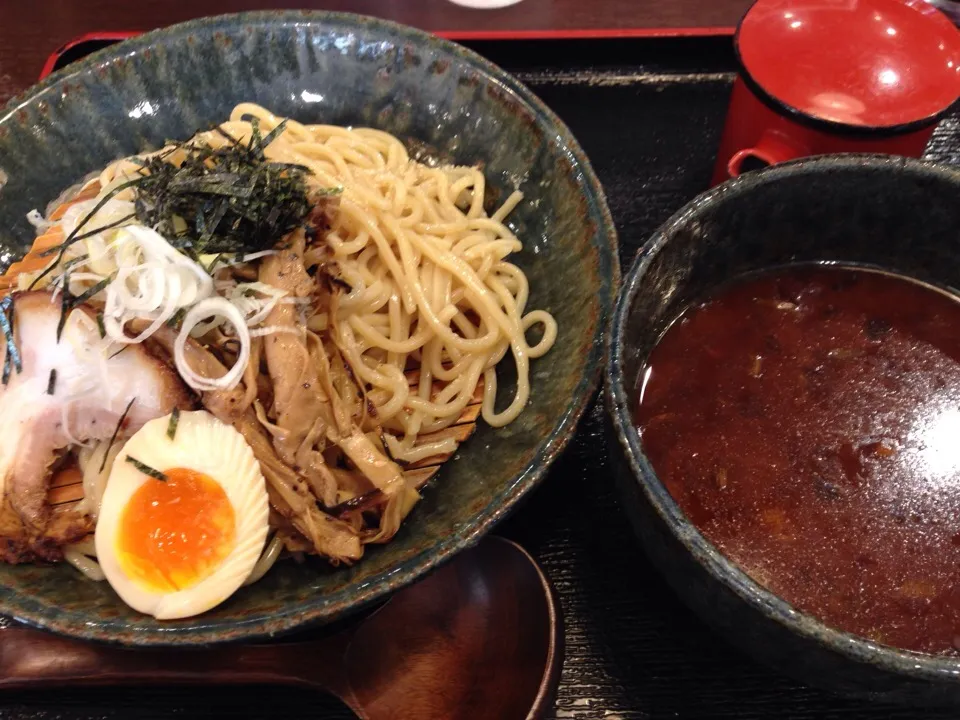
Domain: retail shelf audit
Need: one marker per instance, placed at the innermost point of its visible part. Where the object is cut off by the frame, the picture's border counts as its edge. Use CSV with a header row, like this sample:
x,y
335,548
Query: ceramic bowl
x,y
350,70
899,214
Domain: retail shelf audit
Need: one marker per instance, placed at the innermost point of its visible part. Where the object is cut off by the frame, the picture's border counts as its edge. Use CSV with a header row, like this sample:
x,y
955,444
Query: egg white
x,y
203,444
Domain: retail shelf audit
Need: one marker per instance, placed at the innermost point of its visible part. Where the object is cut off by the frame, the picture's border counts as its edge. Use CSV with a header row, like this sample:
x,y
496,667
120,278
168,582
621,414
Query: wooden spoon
x,y
480,638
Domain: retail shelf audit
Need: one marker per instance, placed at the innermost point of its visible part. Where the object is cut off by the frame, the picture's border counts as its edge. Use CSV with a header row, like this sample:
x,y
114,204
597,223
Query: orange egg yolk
x,y
174,533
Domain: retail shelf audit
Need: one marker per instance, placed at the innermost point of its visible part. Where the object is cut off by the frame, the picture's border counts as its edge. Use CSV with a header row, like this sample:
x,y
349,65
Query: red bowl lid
x,y
863,63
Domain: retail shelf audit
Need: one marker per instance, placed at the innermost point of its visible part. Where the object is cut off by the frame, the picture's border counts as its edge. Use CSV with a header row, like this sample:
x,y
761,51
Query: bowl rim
x,y
618,399
351,599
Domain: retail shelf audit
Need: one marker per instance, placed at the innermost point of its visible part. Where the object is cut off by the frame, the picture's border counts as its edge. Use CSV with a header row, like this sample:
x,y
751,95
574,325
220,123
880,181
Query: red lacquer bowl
x,y
828,76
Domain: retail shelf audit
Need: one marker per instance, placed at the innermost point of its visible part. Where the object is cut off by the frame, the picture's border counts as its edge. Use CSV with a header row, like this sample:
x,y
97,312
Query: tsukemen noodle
x,y
258,342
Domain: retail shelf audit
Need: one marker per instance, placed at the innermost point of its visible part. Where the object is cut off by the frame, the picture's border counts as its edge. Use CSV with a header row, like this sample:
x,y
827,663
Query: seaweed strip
x,y
146,469
116,431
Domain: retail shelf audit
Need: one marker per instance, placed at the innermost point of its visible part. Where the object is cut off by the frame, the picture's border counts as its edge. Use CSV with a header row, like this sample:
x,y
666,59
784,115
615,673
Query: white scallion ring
x,y
211,307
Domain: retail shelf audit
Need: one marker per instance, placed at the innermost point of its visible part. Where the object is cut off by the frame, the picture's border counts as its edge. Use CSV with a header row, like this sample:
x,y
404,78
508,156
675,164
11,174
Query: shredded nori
x,y
225,200
229,199
52,382
90,233
116,431
70,264
100,326
66,304
69,301
92,290
73,236
146,469
172,425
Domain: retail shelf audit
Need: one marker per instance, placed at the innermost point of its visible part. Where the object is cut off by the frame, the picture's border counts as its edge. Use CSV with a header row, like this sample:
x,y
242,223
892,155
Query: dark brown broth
x,y
807,421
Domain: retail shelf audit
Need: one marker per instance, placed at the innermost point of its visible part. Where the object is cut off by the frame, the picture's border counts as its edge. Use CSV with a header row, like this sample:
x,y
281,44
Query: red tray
x,y
85,44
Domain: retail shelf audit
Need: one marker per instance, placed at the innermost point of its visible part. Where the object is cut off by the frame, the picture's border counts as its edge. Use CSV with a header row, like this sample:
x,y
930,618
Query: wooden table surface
x,y
31,29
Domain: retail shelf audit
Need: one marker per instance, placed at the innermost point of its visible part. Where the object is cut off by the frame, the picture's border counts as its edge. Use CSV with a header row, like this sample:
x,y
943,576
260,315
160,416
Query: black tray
x,y
649,114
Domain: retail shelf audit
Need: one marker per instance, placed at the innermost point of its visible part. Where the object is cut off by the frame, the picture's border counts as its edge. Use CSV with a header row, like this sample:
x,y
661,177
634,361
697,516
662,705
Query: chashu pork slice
x,y
68,392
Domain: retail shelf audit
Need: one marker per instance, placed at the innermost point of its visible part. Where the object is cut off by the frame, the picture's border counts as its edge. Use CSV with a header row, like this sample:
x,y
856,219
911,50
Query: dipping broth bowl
x,y
898,214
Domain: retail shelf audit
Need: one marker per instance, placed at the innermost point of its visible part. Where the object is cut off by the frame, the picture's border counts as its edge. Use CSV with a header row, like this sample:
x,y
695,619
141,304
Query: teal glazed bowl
x,y
881,211
349,70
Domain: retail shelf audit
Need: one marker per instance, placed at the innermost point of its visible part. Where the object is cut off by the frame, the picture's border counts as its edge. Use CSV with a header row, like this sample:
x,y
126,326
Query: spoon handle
x,y
31,658
481,637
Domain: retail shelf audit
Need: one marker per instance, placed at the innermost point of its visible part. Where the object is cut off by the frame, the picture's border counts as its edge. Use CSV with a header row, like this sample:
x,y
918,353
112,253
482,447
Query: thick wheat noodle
x,y
430,282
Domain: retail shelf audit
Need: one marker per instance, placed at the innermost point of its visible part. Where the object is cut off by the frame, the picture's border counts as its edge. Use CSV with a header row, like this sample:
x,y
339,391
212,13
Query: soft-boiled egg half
x,y
183,519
